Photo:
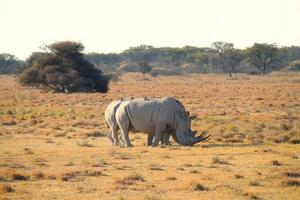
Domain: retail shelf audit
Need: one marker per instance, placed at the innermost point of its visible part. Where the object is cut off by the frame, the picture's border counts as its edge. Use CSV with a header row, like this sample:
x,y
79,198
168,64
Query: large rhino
x,y
110,118
158,117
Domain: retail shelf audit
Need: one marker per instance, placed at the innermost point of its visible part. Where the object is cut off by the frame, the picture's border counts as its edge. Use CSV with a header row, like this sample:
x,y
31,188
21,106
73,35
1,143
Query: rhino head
x,y
183,134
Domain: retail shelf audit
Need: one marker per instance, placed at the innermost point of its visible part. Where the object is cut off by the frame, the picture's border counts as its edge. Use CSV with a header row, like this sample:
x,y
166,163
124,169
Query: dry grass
x,y
5,188
54,146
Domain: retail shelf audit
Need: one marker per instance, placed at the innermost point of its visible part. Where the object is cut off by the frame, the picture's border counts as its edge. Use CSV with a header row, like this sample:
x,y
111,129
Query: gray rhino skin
x,y
110,118
158,117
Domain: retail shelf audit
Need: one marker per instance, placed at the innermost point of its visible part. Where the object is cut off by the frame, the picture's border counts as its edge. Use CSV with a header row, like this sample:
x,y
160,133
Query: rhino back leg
x,y
121,139
123,123
110,136
115,136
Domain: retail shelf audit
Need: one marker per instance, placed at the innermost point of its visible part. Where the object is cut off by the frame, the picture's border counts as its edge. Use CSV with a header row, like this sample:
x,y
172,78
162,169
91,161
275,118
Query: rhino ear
x,y
182,115
193,117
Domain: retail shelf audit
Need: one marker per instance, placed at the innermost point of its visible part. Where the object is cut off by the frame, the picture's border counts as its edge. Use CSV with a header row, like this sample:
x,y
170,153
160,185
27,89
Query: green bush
x,y
63,68
128,67
294,66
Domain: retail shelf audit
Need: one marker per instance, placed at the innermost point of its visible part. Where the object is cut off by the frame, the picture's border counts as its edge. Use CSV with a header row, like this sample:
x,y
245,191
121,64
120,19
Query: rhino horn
x,y
201,138
191,139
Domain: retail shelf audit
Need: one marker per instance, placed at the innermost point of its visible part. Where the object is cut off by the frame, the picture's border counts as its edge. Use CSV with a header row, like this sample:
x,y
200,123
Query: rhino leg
x,y
150,139
125,137
166,139
110,137
123,124
115,135
158,135
120,139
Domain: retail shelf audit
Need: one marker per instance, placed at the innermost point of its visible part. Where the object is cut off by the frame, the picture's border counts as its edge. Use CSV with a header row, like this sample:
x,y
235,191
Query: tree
x,y
145,68
63,68
263,56
229,56
9,64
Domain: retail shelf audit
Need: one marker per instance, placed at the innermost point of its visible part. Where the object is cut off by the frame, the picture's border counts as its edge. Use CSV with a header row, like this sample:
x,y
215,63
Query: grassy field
x,y
54,146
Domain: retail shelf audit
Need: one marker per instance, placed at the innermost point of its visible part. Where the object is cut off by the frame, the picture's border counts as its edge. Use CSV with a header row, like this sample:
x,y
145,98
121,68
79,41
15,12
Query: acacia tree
x,y
63,68
145,68
142,55
9,64
263,56
229,57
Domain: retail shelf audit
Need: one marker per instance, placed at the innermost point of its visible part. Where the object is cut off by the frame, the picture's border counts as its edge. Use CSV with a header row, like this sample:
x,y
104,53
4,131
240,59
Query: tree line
x,y
221,57
63,67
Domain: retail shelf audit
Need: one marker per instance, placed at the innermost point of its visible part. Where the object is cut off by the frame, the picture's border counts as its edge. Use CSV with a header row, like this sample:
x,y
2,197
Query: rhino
x,y
114,135
156,117
110,119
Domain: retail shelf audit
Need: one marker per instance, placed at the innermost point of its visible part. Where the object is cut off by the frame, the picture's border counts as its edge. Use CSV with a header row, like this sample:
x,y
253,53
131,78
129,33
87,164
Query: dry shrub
x,y
171,178
254,183
256,138
282,139
286,127
93,173
55,127
276,163
291,183
51,177
39,175
19,177
237,176
251,196
5,188
100,163
218,160
69,175
200,187
62,134
2,178
81,124
74,174
131,179
155,168
293,174
295,140
94,134
9,123
84,143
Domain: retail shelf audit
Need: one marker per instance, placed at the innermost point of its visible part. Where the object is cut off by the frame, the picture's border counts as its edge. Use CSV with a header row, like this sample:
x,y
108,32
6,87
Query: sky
x,y
111,26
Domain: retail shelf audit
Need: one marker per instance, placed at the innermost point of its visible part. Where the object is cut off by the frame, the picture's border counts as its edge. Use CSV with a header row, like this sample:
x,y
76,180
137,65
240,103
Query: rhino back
x,y
145,115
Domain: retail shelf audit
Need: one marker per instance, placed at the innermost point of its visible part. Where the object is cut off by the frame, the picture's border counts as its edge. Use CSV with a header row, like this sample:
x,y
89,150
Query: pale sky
x,y
106,26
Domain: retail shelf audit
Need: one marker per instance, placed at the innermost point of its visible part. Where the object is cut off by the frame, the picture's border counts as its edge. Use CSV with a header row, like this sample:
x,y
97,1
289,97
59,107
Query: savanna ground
x,y
54,146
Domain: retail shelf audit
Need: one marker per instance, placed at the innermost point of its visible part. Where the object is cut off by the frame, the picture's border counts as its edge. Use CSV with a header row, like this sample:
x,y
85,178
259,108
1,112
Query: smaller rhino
x,y
114,133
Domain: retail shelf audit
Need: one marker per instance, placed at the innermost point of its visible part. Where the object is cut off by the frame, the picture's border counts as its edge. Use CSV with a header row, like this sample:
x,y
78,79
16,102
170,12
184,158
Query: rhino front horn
x,y
201,138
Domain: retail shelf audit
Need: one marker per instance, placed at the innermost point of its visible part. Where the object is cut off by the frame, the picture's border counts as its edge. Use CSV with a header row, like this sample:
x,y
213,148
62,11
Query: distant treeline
x,y
221,57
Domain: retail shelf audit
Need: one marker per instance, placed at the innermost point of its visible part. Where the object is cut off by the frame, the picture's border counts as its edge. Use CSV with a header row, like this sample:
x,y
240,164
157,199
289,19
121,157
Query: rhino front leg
x,y
150,139
158,135
166,139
